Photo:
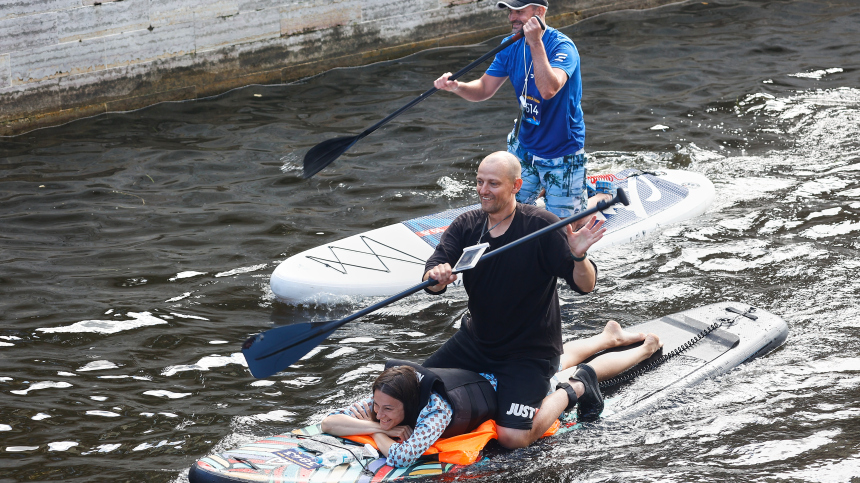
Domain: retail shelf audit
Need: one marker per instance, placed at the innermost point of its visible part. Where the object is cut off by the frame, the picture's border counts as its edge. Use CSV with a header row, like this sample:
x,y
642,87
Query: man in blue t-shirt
x,y
543,68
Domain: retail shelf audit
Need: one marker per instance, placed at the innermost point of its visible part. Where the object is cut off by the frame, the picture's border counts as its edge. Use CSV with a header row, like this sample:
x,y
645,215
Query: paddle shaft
x,y
324,153
329,327
433,90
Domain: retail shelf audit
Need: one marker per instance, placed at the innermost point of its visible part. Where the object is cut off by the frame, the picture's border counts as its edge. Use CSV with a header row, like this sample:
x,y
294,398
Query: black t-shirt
x,y
513,300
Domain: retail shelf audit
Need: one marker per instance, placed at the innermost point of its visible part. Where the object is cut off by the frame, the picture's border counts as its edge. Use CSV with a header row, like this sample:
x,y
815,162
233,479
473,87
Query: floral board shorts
x,y
563,179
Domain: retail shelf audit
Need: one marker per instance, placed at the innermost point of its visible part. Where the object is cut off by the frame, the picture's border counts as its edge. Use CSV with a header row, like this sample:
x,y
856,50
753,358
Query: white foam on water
x,y
825,231
410,307
178,298
817,74
316,350
452,188
41,385
302,381
414,334
292,162
138,319
98,398
781,450
126,376
361,371
740,223
207,363
188,274
341,352
771,226
186,316
214,342
17,449
67,374
659,127
816,187
161,443
279,415
359,340
98,366
5,427
6,344
9,337
40,417
167,394
61,445
104,414
4,379
239,271
262,383
822,213
103,448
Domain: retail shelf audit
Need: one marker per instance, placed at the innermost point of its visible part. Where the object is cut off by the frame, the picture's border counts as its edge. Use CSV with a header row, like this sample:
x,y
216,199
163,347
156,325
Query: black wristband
x,y
577,259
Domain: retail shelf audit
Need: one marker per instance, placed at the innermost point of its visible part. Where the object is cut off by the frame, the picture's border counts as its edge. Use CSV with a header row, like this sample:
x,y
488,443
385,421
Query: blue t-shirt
x,y
551,128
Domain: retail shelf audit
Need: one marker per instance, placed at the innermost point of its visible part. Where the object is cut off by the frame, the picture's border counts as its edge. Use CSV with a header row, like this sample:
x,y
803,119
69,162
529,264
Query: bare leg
x,y
613,335
613,363
550,409
605,365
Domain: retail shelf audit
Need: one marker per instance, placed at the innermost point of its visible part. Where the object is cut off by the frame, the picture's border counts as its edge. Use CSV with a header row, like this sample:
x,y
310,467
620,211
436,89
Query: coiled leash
x,y
727,321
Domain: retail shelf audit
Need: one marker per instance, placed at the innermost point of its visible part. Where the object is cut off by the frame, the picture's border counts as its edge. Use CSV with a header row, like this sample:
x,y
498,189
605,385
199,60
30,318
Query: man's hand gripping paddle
x,y
276,349
327,151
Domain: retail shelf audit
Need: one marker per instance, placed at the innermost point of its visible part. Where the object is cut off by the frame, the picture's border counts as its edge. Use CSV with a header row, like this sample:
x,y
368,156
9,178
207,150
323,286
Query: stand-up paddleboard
x,y
697,344
390,259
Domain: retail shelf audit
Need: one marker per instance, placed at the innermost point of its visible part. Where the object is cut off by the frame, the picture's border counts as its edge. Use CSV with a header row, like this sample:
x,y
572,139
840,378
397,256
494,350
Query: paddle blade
x,y
276,349
324,153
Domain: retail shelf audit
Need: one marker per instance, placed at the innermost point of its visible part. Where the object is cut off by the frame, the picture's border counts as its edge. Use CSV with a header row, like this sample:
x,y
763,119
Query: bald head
x,y
507,162
498,181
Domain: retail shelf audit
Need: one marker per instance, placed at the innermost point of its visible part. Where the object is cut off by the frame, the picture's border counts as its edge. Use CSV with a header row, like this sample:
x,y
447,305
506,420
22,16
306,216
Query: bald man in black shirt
x,y
514,327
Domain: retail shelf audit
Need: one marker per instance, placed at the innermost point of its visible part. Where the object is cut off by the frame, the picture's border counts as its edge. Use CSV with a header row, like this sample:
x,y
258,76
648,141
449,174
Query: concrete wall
x,y
65,59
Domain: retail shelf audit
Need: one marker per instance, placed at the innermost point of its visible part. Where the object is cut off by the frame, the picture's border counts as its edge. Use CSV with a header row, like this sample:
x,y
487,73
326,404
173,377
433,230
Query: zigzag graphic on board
x,y
379,257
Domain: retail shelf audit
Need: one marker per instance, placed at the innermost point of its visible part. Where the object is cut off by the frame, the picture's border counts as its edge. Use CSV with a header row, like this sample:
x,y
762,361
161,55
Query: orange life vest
x,y
464,449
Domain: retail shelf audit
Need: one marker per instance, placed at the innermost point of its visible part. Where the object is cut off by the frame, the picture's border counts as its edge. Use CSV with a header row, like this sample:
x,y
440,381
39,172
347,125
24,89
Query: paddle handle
x,y
433,90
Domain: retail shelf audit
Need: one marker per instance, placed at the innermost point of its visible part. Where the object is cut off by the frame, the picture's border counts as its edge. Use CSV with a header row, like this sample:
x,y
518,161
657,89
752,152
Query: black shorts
x,y
522,383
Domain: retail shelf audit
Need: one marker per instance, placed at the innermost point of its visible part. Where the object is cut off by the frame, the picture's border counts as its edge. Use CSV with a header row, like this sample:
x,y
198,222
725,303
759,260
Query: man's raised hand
x,y
581,240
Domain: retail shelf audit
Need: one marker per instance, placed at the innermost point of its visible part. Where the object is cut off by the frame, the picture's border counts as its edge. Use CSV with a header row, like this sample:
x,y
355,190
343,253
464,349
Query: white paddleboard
x,y
390,259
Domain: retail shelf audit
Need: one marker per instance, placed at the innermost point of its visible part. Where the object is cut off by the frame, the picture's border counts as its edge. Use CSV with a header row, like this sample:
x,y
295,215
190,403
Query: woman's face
x,y
389,411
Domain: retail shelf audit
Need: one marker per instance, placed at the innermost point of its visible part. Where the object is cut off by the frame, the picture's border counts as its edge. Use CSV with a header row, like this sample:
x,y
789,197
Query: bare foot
x,y
652,343
621,337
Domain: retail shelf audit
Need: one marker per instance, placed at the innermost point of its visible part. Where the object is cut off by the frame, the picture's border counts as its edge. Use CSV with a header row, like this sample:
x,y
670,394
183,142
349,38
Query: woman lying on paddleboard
x,y
404,426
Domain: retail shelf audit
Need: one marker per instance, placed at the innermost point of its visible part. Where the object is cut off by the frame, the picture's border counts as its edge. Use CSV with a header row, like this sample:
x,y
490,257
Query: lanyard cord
x,y
522,99
527,72
487,222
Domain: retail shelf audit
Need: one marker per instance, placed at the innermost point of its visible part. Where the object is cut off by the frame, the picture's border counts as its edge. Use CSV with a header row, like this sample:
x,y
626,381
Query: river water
x,y
135,251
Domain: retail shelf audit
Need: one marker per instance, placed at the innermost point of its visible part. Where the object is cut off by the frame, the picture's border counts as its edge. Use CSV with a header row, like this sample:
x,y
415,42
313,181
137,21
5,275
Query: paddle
x,y
276,349
325,152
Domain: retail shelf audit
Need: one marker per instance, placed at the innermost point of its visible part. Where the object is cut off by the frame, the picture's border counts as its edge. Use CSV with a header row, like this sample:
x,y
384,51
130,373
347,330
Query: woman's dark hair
x,y
401,383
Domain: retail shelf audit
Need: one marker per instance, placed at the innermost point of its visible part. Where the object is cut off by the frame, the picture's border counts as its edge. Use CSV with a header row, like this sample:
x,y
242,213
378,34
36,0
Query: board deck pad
x,y
387,260
737,340
431,227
